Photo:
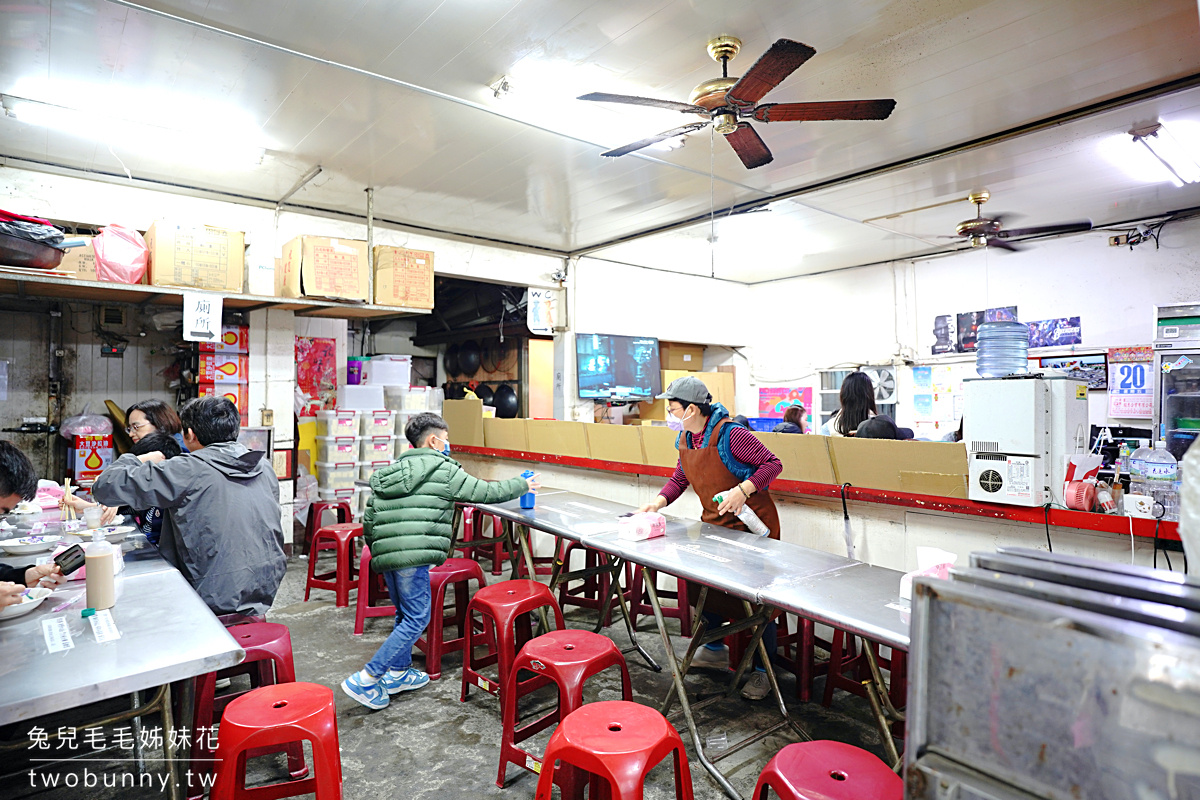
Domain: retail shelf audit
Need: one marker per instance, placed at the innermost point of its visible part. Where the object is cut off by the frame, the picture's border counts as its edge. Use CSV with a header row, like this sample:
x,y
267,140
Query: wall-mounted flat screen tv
x,y
612,367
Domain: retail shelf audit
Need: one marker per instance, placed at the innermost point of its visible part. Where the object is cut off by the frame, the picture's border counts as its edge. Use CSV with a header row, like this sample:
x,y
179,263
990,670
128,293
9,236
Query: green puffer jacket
x,y
408,517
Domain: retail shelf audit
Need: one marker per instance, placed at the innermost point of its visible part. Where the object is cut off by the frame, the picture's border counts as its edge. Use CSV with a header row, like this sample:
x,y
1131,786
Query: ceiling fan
x,y
989,232
724,101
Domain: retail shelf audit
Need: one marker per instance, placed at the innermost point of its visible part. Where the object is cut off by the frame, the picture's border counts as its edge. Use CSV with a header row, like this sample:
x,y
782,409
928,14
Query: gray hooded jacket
x,y
221,520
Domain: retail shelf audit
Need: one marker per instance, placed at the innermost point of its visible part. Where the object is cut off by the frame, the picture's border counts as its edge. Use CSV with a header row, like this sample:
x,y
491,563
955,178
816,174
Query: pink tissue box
x,y
642,525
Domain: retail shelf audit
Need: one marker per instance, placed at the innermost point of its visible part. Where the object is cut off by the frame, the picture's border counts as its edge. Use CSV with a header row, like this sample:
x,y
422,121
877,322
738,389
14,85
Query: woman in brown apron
x,y
718,456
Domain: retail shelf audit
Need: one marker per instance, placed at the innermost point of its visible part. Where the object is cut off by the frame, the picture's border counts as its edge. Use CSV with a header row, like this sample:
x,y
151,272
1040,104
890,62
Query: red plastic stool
x,y
795,653
340,539
268,661
618,743
371,589
845,658
828,771
458,572
592,591
507,606
567,658
682,610
272,716
472,520
316,510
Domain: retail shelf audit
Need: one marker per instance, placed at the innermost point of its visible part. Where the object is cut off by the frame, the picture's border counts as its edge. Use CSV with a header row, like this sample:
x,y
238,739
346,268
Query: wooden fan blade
x,y
749,146
631,100
780,60
1003,245
812,112
1046,230
671,134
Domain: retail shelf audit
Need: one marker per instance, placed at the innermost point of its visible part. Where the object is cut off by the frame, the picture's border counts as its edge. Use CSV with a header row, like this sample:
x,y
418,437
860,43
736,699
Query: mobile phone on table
x,y
70,559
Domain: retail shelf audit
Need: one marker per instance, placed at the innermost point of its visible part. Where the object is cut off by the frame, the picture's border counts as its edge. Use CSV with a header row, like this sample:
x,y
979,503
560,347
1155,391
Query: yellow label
x,y
1081,392
483,684
535,765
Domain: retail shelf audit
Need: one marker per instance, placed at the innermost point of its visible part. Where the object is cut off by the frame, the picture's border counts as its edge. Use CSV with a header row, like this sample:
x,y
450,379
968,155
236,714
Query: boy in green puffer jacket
x,y
407,526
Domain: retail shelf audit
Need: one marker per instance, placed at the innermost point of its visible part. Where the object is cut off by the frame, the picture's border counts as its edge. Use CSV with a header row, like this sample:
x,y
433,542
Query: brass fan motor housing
x,y
725,123
977,227
711,94
724,47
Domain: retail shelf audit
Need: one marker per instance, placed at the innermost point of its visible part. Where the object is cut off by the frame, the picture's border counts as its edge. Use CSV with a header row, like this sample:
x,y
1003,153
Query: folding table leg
x,y
616,566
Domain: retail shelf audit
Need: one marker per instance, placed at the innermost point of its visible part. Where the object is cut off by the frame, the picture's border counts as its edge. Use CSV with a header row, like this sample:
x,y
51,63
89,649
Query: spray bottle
x,y
747,516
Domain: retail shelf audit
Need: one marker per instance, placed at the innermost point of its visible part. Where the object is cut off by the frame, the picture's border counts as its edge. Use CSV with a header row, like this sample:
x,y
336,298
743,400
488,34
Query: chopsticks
x,y
68,510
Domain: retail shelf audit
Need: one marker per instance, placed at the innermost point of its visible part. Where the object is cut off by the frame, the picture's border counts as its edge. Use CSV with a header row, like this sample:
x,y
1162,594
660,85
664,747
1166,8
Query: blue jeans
x,y
769,638
410,593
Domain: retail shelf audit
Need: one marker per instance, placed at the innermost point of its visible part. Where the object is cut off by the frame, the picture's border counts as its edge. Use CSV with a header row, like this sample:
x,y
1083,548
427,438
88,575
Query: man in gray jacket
x,y
221,518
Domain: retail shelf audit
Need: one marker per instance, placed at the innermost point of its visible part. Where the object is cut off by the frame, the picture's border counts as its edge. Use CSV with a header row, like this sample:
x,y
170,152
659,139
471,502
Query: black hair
x,y
857,397
159,414
880,427
157,442
16,473
740,419
705,408
958,434
211,420
421,425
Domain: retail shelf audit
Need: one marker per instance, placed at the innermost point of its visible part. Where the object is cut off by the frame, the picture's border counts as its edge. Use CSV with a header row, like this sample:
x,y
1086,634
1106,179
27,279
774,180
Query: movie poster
x,y
945,333
1055,332
968,330
316,375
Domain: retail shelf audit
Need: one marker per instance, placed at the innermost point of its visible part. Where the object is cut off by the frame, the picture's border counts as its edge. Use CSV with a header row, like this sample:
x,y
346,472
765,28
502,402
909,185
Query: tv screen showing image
x,y
613,367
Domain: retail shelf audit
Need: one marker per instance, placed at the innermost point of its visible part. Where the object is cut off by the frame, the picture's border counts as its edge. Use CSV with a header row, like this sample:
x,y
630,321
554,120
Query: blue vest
x,y
740,470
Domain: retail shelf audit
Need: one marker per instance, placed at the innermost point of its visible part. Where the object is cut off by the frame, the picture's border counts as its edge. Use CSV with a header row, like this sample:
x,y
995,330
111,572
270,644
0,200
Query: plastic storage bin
x,y
377,448
388,370
378,423
337,449
341,475
367,468
337,423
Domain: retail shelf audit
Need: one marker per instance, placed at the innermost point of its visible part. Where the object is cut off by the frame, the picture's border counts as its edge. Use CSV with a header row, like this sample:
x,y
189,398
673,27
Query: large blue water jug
x,y
1002,348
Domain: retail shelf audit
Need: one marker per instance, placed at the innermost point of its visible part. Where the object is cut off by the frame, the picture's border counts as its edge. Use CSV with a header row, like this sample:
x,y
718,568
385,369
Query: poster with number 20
x,y
1130,382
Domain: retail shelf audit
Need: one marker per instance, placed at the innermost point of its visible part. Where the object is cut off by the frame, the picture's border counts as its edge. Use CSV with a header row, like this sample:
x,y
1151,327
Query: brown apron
x,y
708,475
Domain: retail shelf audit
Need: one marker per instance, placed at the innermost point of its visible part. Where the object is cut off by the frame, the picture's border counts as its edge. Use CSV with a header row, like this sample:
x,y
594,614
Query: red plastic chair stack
x,y
617,743
268,662
316,510
590,592
371,589
456,572
340,539
268,718
567,658
682,610
504,610
828,771
472,521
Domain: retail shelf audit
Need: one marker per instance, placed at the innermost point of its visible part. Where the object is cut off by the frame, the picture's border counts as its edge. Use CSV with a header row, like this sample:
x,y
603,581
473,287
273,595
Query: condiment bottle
x,y
100,561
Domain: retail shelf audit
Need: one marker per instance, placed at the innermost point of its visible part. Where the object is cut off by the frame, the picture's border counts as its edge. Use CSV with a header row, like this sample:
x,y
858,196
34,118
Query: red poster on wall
x,y
774,400
316,375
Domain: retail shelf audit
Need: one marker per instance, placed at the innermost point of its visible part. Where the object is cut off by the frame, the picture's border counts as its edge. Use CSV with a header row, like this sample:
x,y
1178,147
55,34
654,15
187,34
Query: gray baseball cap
x,y
689,388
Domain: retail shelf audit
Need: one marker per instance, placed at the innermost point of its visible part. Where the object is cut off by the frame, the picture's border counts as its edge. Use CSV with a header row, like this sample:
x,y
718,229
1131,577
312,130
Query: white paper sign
x,y
539,311
104,627
201,316
57,634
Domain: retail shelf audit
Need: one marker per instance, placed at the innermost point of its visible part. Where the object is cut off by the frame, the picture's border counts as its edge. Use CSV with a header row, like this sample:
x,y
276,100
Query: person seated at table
x,y
18,481
222,525
793,421
153,416
717,456
857,399
408,528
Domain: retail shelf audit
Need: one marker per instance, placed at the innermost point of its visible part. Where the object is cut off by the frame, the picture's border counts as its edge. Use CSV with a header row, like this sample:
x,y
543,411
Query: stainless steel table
x,y
774,575
167,635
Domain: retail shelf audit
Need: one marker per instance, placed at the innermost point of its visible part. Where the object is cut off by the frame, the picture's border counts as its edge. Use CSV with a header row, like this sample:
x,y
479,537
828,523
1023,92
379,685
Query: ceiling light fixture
x,y
1173,155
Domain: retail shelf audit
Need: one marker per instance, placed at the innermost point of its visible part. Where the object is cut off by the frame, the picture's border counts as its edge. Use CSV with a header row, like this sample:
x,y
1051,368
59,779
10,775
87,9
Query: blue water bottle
x,y
527,498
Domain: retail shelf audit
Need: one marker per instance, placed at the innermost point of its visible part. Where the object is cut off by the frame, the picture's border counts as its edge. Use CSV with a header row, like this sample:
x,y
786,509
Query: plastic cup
x,y
91,517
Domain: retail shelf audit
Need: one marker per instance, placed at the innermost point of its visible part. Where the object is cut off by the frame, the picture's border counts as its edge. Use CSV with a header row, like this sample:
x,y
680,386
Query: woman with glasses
x,y
153,416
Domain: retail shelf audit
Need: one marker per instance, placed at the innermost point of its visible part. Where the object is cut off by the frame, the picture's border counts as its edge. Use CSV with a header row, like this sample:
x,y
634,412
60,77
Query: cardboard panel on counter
x,y
317,266
615,443
505,434
720,386
805,458
877,463
465,418
556,437
196,256
403,277
658,446
674,355
935,483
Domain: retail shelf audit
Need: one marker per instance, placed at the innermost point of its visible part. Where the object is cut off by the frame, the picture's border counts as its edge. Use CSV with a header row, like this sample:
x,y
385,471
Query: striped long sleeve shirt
x,y
745,447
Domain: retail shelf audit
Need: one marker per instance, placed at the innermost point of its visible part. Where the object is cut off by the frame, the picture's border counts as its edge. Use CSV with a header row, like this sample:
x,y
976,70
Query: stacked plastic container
x,y
337,453
1002,348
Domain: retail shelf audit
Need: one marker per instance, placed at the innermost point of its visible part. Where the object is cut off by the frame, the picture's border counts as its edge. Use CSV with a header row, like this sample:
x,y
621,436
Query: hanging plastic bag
x,y
121,255
85,424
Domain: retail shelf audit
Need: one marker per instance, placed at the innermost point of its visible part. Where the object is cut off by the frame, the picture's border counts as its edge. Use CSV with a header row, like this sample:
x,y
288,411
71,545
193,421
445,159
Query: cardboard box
x,y
505,434
658,446
878,463
196,257
557,438
403,277
465,418
80,260
937,484
224,368
805,458
688,357
621,443
236,393
720,386
90,456
317,266
233,339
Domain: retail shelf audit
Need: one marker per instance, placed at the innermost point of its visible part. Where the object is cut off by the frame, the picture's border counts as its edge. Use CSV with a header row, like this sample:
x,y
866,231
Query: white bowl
x,y
113,533
36,596
29,544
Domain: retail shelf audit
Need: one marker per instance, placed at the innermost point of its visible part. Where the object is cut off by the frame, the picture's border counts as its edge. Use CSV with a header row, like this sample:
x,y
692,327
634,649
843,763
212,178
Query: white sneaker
x,y
757,687
707,658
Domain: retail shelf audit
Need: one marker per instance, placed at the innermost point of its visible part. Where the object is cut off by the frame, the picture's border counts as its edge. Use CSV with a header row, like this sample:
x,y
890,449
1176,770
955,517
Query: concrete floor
x,y
427,744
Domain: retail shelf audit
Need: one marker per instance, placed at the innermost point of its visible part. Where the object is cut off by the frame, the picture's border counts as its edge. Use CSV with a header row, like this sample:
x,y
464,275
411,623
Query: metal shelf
x,y
24,284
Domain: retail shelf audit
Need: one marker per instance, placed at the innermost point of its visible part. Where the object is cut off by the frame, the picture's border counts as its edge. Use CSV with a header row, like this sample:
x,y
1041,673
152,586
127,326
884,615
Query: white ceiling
x,y
394,96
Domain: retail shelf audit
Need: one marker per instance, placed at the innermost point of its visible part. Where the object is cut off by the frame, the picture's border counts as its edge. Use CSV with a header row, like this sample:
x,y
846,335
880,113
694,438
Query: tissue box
x,y
932,562
643,525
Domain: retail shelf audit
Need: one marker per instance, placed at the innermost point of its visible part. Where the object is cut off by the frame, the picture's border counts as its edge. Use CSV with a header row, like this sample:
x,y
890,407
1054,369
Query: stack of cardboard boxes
x,y
224,369
336,269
